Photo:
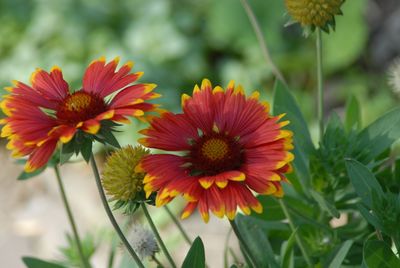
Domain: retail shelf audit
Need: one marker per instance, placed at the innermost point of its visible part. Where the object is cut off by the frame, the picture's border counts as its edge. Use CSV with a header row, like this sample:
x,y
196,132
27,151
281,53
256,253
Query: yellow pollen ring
x,y
215,149
78,102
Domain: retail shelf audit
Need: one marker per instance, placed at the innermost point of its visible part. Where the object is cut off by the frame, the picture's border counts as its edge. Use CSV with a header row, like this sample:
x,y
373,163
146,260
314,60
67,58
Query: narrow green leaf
x,y
284,102
196,256
380,135
86,150
64,157
107,136
374,221
257,241
325,205
287,256
364,182
68,148
377,254
38,263
341,254
27,175
353,114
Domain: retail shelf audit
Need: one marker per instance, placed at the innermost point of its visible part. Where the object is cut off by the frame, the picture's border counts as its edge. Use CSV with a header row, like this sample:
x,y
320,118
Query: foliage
x,y
343,200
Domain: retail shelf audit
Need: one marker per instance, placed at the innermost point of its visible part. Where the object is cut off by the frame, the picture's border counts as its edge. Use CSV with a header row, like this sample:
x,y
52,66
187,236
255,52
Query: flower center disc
x,y
213,154
215,149
80,106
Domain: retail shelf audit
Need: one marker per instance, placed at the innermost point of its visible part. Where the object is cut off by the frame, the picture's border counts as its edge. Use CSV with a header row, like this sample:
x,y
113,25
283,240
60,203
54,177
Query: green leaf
x,y
284,102
106,135
64,157
373,220
341,254
380,135
377,254
325,205
27,175
364,182
272,210
287,256
38,263
353,114
86,150
257,241
69,147
196,256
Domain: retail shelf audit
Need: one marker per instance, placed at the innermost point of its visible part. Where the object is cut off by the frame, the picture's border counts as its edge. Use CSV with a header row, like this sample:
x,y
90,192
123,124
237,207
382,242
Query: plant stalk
x,y
320,87
158,237
293,229
110,214
261,41
243,243
179,225
85,263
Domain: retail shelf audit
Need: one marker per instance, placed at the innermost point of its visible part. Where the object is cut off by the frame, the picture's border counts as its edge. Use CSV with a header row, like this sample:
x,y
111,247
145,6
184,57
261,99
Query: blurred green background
x,y
177,43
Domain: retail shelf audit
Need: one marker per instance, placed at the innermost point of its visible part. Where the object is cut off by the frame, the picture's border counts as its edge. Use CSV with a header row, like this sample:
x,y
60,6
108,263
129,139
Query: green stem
x,y
320,84
111,256
228,249
243,243
84,261
261,41
293,229
110,214
159,264
155,231
179,225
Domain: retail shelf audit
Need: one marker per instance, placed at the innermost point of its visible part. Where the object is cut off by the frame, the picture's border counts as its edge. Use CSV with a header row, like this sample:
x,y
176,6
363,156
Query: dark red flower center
x,y
215,153
80,106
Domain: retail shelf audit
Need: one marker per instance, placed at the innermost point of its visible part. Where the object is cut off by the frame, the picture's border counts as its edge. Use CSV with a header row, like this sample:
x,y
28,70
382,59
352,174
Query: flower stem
x,y
179,225
159,264
110,214
261,41
293,228
84,261
154,228
320,84
243,243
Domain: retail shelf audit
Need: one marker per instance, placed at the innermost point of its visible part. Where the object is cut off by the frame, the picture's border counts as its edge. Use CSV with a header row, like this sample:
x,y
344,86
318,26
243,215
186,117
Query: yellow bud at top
x,y
120,180
315,13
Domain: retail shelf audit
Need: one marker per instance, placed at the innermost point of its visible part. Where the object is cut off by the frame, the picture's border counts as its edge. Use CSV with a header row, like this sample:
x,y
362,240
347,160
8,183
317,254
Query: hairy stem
x,y
320,84
78,243
110,214
158,237
261,41
179,225
243,243
293,229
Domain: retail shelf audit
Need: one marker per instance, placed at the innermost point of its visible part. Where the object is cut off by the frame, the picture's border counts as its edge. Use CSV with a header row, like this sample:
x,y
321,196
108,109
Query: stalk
x,y
293,229
78,243
156,233
320,88
110,214
179,225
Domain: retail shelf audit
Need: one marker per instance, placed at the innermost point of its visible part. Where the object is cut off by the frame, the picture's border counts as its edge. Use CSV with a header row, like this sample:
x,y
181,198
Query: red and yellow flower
x,y
230,147
41,115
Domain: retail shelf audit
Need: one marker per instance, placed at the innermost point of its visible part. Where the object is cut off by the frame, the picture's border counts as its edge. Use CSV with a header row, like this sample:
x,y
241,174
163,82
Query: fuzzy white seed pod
x,y
143,242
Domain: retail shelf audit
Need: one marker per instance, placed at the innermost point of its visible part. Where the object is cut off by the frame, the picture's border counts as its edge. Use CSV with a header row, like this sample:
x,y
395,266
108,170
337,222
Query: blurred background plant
x,y
177,43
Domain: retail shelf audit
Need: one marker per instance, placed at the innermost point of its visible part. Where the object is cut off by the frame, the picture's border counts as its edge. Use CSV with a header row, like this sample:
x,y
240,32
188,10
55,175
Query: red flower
x,y
230,147
41,115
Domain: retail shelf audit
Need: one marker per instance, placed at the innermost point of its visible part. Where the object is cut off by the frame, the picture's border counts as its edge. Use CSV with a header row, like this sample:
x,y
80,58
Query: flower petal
x,y
40,156
51,85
